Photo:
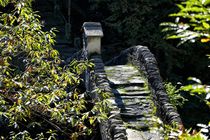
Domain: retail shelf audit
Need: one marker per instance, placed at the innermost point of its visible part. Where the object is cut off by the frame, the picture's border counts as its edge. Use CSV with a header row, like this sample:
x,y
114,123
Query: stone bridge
x,y
139,106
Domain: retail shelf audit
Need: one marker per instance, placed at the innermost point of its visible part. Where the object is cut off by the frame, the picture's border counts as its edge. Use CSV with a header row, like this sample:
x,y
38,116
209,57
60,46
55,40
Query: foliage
x,y
182,134
39,98
187,136
192,22
174,96
198,89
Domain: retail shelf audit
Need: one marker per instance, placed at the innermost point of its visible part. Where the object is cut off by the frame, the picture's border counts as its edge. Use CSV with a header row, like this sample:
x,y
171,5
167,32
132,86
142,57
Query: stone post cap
x,y
93,29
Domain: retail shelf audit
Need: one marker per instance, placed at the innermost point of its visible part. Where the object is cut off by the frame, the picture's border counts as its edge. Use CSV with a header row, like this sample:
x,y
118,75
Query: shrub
x,y
39,98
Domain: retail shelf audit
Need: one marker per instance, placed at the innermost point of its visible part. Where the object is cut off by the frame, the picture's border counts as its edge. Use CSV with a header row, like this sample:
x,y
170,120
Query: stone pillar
x,y
91,45
93,34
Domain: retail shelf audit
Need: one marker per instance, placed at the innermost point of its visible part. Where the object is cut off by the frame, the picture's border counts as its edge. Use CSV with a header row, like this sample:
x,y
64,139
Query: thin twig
x,y
49,122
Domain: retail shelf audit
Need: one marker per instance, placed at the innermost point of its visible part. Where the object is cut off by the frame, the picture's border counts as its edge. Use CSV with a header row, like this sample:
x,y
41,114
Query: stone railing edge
x,y
145,61
112,128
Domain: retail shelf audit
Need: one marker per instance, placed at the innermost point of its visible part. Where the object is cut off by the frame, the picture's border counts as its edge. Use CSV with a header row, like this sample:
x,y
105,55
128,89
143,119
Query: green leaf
x,y
206,25
92,120
206,2
4,2
194,79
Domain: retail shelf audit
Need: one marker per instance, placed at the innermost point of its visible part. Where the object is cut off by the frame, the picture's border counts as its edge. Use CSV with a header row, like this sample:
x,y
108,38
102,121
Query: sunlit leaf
x,y
195,79
204,40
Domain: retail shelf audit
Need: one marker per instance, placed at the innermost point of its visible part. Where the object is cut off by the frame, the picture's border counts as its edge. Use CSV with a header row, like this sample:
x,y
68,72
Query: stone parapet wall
x,y
113,127
141,57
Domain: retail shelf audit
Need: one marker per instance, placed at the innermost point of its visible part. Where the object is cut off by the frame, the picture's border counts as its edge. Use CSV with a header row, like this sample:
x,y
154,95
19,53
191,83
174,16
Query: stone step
x,y
147,118
117,73
120,67
127,100
137,106
136,98
120,103
124,76
152,122
129,82
127,116
131,93
132,100
131,89
133,134
139,125
136,109
137,112
124,79
121,84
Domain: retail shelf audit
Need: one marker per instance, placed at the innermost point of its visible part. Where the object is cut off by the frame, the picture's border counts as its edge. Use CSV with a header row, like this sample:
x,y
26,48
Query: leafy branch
x,y
191,22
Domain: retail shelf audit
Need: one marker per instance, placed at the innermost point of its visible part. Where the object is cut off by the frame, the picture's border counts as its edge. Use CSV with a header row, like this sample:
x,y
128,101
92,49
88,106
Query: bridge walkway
x,y
133,97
